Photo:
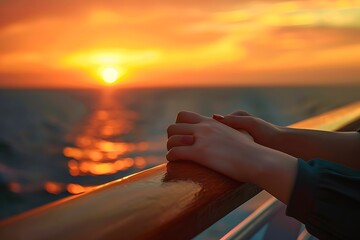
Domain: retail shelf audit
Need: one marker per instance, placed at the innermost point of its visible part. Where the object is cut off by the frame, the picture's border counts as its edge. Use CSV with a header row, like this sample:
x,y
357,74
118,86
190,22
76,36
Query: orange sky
x,y
179,43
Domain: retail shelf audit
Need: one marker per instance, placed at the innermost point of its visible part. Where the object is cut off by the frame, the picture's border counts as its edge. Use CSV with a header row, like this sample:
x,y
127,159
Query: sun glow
x,y
111,75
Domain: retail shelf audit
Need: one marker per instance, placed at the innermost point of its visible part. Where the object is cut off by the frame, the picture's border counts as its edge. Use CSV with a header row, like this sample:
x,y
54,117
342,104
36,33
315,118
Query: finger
x,y
240,113
180,129
188,117
180,153
238,122
180,140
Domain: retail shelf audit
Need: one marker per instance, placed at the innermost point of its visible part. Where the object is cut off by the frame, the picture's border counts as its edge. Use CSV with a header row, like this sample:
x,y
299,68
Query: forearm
x,y
340,147
276,173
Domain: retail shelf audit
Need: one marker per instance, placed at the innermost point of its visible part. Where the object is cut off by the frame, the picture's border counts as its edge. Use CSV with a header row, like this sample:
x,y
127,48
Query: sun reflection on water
x,y
98,148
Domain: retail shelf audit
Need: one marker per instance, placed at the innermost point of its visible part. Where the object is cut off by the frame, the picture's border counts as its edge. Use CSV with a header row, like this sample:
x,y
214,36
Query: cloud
x,y
289,47
209,38
23,10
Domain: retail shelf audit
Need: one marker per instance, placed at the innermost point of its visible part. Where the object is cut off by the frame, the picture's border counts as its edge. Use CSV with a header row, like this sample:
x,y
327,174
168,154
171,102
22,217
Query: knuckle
x,y
171,141
252,120
168,144
170,129
171,154
186,116
239,112
168,156
182,114
205,128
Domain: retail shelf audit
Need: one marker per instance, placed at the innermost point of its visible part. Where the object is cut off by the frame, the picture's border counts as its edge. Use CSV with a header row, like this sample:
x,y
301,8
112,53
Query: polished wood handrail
x,y
177,200
333,120
172,201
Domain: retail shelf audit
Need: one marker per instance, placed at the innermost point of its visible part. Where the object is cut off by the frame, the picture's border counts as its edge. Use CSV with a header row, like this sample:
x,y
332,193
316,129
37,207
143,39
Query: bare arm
x,y
340,147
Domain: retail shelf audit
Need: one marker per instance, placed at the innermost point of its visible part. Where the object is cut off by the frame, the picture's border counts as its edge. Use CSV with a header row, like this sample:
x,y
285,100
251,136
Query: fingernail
x,y
218,117
188,139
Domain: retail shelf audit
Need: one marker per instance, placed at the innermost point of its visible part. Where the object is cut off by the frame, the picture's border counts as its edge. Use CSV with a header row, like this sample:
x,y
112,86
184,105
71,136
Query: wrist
x,y
275,173
277,140
260,164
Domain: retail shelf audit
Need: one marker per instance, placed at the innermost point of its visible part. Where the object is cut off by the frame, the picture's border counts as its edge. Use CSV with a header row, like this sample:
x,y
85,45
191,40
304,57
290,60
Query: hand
x,y
224,149
212,144
263,132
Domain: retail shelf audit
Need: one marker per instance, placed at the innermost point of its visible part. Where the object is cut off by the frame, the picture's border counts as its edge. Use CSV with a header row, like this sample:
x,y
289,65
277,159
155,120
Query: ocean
x,y
55,143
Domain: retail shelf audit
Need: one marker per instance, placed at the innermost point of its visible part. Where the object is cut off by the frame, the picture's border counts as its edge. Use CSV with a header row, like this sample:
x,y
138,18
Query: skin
x,y
340,147
213,144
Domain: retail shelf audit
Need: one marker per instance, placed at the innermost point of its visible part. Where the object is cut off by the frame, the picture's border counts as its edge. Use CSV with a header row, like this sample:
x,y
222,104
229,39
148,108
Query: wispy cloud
x,y
199,40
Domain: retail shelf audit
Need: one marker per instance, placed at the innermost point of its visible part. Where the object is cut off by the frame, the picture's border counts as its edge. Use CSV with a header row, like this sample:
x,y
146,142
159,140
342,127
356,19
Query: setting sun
x,y
111,75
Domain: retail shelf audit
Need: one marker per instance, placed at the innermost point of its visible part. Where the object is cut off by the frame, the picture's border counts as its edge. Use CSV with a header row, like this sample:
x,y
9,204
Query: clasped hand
x,y
215,145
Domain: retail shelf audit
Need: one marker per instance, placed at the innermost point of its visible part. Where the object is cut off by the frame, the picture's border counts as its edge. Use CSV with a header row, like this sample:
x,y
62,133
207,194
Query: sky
x,y
48,43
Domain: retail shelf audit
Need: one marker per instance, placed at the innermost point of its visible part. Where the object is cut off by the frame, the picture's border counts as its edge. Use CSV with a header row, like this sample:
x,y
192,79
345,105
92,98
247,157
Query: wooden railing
x,y
177,200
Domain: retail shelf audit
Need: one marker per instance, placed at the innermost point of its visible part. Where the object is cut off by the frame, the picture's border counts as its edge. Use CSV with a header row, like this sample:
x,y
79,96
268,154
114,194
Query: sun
x,y
111,75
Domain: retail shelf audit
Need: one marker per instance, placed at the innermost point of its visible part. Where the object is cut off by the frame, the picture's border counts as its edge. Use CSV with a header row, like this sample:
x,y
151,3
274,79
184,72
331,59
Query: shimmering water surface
x,y
54,143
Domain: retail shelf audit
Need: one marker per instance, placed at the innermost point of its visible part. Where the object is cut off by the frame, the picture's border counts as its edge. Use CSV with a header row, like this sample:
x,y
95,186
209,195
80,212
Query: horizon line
x,y
179,87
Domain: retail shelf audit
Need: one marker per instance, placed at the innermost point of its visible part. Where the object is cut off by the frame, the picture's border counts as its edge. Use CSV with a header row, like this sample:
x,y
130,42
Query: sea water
x,y
55,143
